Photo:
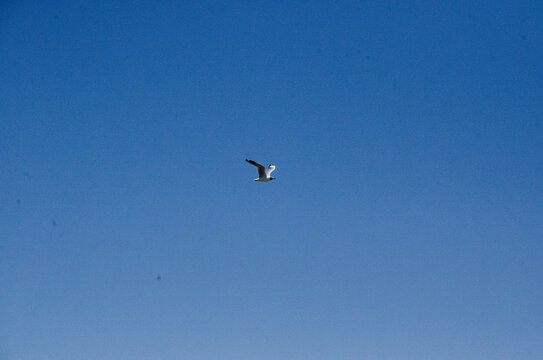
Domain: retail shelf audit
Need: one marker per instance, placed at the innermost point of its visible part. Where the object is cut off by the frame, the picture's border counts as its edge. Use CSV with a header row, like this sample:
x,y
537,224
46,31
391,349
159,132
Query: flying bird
x,y
264,174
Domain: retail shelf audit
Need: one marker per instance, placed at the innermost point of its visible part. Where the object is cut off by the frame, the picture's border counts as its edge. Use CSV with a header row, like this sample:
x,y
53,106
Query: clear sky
x,y
406,221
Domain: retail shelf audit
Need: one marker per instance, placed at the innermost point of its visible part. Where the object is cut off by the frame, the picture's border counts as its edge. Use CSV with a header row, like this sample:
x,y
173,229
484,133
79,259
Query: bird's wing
x,y
261,170
270,169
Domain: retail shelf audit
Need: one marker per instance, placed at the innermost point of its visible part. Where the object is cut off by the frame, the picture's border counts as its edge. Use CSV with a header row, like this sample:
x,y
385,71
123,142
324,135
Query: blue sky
x,y
405,221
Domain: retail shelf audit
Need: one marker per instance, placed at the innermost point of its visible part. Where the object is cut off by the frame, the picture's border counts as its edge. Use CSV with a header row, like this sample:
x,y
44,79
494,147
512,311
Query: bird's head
x,y
272,178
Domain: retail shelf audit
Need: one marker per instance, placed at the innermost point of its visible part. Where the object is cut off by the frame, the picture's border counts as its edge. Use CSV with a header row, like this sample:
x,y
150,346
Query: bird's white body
x,y
263,179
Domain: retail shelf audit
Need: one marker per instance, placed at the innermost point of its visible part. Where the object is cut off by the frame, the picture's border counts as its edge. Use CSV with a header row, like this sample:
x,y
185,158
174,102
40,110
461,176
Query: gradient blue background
x,y
406,221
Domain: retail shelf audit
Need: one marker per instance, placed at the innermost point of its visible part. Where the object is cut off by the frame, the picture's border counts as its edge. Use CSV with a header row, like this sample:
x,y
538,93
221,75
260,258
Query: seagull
x,y
263,173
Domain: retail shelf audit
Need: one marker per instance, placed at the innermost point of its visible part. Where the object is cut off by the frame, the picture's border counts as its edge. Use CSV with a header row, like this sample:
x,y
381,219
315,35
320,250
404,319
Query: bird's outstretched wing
x,y
270,169
261,170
